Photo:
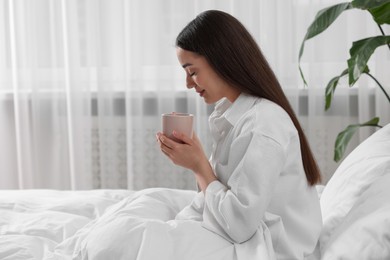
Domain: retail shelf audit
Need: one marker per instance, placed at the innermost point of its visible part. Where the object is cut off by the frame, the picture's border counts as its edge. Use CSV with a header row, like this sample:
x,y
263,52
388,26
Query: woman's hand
x,y
188,154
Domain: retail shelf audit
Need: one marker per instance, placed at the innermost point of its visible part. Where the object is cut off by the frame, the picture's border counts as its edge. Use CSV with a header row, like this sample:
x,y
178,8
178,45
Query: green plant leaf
x,y
331,87
368,4
381,14
360,53
322,21
345,136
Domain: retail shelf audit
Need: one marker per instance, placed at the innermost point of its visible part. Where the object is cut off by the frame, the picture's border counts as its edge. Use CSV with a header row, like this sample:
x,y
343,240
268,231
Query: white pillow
x,y
364,233
363,166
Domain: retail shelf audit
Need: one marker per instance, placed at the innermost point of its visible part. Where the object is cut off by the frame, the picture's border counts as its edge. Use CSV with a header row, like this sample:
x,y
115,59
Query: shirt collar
x,y
242,104
226,114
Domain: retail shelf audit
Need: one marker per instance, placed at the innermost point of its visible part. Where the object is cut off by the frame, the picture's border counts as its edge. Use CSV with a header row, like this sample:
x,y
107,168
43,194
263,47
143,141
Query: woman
x,y
257,190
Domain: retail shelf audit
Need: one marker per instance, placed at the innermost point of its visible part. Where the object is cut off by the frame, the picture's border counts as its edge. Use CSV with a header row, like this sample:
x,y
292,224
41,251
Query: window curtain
x,y
83,84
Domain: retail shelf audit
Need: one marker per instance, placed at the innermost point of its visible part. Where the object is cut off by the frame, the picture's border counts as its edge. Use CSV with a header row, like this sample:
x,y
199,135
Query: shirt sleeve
x,y
236,211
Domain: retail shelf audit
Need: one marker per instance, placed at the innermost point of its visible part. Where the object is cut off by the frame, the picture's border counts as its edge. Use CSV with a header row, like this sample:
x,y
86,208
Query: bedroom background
x,y
83,84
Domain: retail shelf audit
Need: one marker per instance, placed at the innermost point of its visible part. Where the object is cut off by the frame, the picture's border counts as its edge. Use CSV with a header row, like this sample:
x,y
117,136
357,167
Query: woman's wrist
x,y
204,175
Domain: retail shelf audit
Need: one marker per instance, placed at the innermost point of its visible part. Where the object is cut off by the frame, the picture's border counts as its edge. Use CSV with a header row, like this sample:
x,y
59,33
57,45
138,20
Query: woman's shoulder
x,y
266,118
270,111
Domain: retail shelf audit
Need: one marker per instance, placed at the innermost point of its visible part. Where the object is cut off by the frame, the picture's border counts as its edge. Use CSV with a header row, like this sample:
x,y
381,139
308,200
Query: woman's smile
x,y
200,92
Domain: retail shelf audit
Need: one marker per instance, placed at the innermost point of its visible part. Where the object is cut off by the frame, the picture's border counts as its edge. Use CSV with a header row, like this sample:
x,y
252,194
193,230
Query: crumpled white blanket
x,y
112,224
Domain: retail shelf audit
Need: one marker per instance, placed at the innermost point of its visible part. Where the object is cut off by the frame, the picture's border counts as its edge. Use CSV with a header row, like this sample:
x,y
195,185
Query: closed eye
x,y
192,74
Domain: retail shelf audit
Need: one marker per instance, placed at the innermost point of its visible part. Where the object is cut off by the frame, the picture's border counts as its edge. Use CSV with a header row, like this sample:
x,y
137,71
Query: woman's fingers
x,y
163,150
182,137
165,141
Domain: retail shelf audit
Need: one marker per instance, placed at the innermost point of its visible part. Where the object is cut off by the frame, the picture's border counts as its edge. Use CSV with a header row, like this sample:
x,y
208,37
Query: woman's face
x,y
201,77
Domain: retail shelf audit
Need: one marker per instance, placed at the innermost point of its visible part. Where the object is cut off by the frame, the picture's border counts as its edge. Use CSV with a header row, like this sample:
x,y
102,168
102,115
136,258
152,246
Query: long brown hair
x,y
233,53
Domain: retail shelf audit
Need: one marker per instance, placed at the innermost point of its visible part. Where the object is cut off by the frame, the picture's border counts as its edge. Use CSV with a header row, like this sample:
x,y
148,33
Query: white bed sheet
x,y
109,224
34,222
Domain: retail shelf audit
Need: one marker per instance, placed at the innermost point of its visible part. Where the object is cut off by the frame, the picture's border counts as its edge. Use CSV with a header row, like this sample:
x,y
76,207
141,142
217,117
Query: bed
x,y
52,224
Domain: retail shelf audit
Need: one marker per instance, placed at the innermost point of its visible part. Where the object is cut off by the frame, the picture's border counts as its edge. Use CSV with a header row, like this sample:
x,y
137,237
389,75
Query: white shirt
x,y
262,192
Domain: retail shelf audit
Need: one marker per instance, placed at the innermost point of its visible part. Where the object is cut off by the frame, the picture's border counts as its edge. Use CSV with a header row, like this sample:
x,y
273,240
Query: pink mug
x,y
179,122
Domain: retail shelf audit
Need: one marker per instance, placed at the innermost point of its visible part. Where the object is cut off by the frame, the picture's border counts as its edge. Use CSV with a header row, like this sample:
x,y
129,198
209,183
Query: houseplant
x,y
360,53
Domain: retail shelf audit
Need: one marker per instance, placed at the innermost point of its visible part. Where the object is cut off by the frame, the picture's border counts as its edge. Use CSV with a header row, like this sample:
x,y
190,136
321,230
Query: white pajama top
x,y
262,196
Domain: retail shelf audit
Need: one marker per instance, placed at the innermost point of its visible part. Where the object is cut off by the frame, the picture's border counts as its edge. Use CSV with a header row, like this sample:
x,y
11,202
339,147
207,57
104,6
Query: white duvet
x,y
121,224
106,224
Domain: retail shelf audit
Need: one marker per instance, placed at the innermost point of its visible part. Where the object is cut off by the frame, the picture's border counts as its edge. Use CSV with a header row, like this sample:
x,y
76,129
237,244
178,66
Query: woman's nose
x,y
190,83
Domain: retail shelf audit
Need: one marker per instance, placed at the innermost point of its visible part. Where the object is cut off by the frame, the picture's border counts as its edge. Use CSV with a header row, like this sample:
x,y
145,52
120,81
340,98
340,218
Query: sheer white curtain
x,y
83,84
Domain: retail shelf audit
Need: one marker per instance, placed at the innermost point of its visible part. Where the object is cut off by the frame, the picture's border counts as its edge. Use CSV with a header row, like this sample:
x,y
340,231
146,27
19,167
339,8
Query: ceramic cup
x,y
180,122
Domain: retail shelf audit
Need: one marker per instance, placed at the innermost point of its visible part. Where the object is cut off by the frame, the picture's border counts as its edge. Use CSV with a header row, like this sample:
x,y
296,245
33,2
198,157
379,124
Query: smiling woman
x,y
261,174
